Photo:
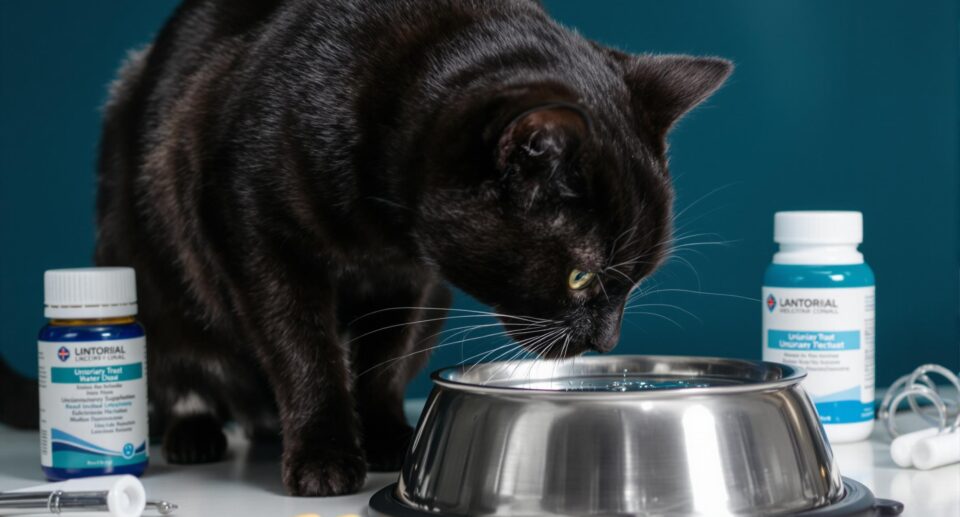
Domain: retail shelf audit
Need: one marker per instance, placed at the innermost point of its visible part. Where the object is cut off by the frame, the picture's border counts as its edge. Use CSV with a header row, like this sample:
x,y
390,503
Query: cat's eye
x,y
579,279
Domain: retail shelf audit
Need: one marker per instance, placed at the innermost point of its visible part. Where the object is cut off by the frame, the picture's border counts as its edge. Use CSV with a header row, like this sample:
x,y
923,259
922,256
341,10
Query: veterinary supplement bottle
x,y
92,376
818,314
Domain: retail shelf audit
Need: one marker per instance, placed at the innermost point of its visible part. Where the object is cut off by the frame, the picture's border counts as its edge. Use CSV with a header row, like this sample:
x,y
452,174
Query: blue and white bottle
x,y
819,307
92,376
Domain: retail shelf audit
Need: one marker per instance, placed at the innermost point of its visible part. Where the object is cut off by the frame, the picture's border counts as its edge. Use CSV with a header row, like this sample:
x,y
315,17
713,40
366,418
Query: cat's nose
x,y
607,341
608,335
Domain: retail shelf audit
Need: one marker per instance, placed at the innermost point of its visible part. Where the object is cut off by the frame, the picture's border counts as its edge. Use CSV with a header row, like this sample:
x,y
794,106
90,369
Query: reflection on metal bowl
x,y
617,435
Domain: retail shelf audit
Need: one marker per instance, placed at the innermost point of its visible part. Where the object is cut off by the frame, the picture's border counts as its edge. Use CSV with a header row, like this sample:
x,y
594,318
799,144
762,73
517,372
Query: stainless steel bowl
x,y
681,436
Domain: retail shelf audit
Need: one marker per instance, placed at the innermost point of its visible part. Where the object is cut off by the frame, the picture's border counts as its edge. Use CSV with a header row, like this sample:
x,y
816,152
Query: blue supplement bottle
x,y
819,306
92,375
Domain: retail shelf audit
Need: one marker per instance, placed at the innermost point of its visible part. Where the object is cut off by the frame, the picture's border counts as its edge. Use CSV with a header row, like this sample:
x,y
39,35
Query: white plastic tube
x,y
901,449
936,451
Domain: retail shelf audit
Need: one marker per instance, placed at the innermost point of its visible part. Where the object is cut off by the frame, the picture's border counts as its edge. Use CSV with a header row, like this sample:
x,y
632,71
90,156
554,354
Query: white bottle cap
x,y
97,292
818,228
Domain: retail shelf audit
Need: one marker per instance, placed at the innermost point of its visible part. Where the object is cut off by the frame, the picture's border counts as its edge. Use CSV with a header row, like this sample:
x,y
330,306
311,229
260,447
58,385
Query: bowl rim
x,y
793,376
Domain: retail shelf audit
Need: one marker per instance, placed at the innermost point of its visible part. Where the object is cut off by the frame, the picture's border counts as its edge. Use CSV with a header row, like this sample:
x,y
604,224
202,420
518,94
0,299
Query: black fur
x,y
19,399
276,170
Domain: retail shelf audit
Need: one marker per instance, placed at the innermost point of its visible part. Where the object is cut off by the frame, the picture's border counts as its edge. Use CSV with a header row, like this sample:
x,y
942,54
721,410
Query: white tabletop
x,y
248,483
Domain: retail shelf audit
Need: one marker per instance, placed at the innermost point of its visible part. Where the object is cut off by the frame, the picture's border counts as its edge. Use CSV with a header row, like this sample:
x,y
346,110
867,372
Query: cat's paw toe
x,y
386,450
194,439
329,474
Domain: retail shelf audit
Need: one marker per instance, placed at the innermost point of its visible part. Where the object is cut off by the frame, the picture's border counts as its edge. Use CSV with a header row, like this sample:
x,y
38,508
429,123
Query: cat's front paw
x,y
194,439
325,474
386,449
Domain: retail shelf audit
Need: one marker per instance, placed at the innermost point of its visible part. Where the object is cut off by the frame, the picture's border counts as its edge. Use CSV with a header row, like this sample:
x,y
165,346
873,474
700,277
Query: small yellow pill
x,y
307,515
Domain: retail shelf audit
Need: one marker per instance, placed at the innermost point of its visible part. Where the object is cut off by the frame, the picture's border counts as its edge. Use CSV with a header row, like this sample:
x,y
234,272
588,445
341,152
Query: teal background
x,y
835,104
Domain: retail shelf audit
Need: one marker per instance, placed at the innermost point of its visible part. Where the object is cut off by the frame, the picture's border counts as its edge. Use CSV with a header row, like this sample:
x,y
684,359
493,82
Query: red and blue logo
x,y
63,353
771,303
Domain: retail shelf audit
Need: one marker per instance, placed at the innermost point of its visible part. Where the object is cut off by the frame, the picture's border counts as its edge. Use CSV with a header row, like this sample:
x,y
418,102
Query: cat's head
x,y
551,209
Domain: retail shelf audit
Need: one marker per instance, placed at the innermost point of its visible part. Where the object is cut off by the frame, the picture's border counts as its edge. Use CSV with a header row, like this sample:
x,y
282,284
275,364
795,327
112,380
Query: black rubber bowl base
x,y
858,501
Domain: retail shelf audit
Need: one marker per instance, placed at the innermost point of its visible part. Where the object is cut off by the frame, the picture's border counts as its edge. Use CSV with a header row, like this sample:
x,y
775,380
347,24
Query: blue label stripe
x,y
72,453
844,411
56,435
96,374
67,459
814,340
847,394
827,276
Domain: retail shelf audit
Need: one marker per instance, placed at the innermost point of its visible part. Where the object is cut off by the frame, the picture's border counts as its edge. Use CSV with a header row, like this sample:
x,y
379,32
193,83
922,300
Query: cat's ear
x,y
665,87
540,140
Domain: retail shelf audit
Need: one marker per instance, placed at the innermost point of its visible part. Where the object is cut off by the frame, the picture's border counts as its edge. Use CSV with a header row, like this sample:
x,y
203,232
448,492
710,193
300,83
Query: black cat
x,y
288,177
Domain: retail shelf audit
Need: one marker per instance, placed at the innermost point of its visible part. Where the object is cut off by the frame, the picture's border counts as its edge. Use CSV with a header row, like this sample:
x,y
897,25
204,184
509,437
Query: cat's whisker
x,y
676,216
553,343
613,248
418,322
563,351
541,352
633,238
689,265
454,341
514,359
504,363
694,251
640,291
602,287
677,247
680,237
631,307
621,273
690,221
532,346
483,355
457,331
525,342
655,314
445,343
451,309
499,357
705,293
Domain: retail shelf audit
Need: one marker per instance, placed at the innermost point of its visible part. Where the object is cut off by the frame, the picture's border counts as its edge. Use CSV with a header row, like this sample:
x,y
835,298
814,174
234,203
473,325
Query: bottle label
x,y
93,403
829,333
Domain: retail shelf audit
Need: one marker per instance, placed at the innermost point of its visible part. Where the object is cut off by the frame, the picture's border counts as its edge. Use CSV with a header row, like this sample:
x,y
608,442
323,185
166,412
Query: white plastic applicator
x,y
936,451
119,496
901,449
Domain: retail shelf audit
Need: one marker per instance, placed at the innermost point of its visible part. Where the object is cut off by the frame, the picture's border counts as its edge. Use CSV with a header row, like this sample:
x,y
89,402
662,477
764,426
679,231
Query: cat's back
x,y
343,33
221,73
219,68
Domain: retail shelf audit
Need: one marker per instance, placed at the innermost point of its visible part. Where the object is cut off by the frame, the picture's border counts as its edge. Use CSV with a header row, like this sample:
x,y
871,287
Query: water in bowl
x,y
625,382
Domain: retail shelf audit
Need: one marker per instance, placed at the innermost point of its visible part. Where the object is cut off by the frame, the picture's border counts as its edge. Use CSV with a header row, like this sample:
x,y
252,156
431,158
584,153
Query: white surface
x,y
248,483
